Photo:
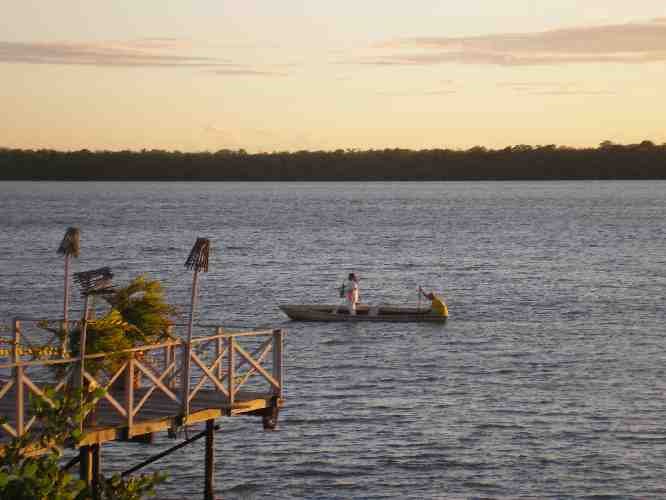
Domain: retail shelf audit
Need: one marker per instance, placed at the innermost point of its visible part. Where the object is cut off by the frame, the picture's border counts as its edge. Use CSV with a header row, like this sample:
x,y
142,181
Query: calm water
x,y
547,382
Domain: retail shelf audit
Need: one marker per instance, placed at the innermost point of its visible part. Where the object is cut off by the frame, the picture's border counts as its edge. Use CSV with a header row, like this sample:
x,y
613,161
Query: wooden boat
x,y
395,314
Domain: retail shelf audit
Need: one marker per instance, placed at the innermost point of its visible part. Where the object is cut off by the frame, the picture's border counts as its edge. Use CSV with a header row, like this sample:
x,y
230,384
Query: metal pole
x,y
188,348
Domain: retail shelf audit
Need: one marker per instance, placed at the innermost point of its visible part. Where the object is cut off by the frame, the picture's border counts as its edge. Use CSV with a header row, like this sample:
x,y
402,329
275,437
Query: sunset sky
x,y
290,75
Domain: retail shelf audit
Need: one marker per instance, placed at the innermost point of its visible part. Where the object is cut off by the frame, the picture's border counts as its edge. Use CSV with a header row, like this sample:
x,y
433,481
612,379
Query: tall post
x,y
209,485
83,341
65,306
92,282
218,350
278,371
129,394
169,357
69,247
18,375
231,371
187,361
197,261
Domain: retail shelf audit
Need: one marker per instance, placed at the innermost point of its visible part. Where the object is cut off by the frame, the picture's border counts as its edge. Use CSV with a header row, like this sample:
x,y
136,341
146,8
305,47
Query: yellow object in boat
x,y
438,306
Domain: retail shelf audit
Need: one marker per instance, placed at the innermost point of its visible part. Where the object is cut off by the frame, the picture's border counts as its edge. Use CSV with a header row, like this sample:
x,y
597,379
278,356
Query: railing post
x,y
231,370
18,375
278,371
218,350
129,394
167,358
83,341
64,343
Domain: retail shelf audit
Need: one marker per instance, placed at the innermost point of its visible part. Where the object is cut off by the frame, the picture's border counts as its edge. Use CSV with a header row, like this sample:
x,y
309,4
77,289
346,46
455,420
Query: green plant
x,y
135,488
138,315
142,306
27,476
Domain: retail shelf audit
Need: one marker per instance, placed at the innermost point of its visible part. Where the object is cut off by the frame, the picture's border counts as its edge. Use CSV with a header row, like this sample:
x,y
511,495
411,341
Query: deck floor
x,y
159,413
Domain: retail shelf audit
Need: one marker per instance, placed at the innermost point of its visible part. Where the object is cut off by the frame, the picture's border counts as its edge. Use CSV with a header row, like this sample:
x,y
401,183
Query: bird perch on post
x,y
69,247
196,261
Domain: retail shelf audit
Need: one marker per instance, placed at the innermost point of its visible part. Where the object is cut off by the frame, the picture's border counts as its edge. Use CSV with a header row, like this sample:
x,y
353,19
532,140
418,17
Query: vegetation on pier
x,y
609,161
138,315
26,476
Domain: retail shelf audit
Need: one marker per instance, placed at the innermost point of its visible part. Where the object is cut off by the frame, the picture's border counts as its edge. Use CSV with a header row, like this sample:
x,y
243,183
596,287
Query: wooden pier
x,y
151,388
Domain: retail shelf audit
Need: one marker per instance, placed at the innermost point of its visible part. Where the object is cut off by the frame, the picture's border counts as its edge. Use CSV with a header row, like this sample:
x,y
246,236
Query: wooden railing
x,y
224,362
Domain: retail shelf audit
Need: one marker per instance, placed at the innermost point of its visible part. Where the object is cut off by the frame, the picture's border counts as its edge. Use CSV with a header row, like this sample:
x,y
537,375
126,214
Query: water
x,y
547,382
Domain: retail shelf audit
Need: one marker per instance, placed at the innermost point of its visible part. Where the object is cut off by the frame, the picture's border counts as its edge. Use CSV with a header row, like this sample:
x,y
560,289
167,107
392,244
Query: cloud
x,y
623,43
553,89
240,71
546,88
146,52
418,93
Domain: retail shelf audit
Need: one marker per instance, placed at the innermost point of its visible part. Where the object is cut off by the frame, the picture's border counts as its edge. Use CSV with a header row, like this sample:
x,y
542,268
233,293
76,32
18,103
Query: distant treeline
x,y
609,161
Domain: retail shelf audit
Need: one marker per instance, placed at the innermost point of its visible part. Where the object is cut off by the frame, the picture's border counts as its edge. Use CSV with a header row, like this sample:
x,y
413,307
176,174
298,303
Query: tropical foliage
x,y
138,314
25,475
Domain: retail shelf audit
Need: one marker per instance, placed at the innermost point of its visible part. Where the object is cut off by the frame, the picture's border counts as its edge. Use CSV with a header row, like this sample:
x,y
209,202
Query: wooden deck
x,y
232,374
159,414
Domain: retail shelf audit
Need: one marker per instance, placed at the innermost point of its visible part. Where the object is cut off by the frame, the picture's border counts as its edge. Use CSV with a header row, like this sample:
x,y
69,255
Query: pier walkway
x,y
147,388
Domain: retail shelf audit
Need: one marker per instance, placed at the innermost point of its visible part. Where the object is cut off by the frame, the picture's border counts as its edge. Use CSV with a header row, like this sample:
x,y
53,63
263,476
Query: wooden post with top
x,y
197,261
69,247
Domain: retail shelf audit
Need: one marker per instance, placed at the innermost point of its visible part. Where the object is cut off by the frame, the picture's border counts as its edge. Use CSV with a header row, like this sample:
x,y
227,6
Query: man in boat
x,y
437,306
351,291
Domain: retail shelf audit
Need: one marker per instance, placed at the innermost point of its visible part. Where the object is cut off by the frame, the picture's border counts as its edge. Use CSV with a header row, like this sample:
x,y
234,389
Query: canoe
x,y
330,312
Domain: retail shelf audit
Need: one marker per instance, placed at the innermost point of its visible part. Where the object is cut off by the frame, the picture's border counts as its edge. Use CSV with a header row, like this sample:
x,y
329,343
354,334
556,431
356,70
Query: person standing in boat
x,y
351,292
437,305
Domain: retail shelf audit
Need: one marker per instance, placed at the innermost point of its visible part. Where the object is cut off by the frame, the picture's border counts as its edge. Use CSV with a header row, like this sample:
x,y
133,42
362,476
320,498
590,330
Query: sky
x,y
265,76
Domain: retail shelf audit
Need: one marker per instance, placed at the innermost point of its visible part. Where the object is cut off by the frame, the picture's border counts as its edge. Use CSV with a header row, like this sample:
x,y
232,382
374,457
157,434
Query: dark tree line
x,y
609,161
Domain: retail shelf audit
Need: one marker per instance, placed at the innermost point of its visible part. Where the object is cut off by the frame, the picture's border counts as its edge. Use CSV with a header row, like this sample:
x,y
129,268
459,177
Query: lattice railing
x,y
227,363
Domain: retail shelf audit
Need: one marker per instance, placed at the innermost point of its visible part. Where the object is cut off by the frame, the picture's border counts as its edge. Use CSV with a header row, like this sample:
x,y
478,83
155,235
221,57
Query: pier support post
x,y
96,470
209,487
90,467
85,464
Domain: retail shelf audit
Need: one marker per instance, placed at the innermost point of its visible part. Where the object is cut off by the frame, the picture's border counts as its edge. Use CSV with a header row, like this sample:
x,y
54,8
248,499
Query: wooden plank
x,y
9,429
258,367
19,402
107,395
37,390
208,373
257,333
266,346
217,364
231,369
278,367
6,388
129,393
158,381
